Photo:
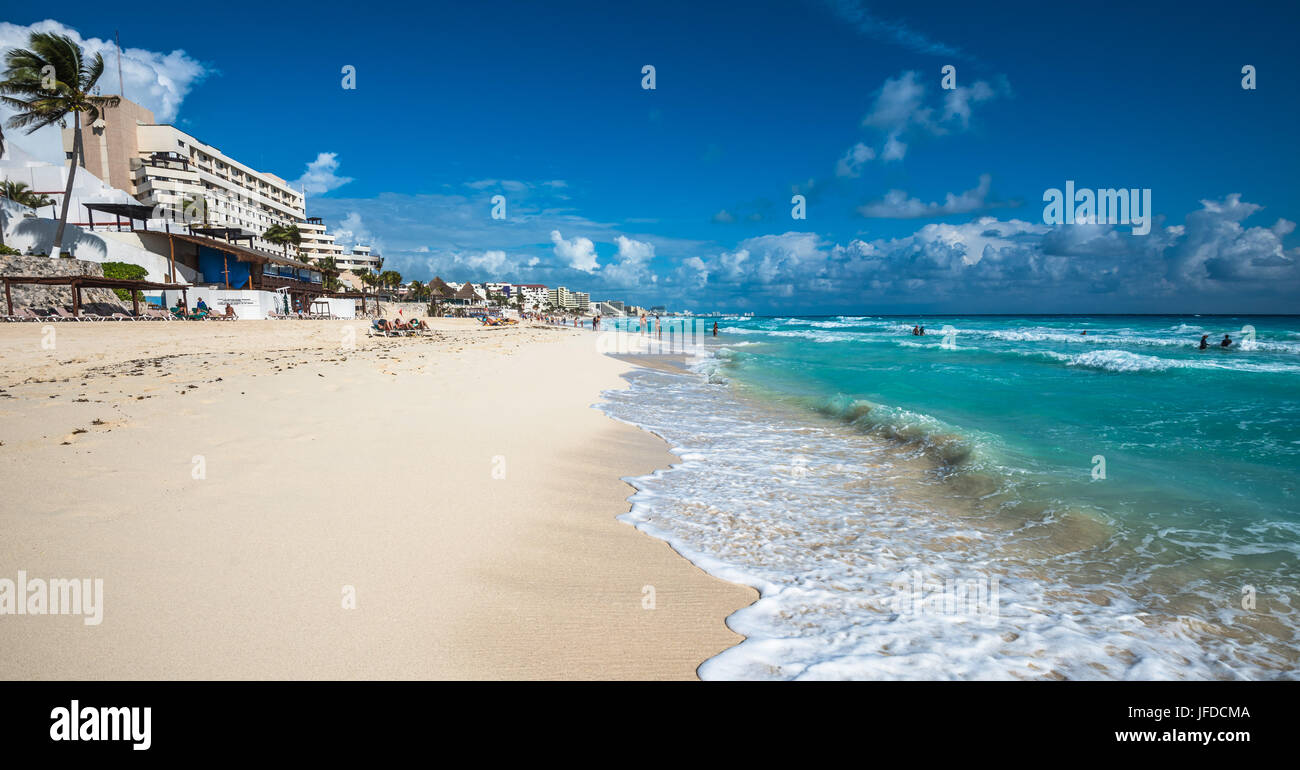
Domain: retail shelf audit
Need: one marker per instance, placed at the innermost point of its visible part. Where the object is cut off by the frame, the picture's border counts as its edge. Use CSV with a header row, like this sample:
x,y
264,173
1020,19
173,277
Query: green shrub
x,y
124,270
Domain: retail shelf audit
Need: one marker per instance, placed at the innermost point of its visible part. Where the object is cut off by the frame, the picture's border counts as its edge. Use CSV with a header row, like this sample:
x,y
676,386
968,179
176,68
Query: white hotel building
x,y
158,163
359,258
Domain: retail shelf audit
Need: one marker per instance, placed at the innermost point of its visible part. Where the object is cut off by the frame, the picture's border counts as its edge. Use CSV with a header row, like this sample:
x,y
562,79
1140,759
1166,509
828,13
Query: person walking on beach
x,y
659,327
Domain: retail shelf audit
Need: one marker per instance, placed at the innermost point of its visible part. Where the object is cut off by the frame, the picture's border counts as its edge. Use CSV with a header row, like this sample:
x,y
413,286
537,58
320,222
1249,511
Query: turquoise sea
x,y
1124,503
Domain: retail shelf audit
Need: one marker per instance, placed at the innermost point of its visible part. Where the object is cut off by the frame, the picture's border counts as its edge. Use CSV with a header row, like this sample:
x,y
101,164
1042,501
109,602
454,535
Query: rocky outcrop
x,y
45,298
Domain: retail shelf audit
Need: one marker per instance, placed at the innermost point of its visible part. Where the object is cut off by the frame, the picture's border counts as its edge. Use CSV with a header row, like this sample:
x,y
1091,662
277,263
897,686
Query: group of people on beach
x,y
201,310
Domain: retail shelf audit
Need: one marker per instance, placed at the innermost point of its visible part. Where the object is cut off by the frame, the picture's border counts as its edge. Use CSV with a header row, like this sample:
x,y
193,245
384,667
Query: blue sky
x,y
918,198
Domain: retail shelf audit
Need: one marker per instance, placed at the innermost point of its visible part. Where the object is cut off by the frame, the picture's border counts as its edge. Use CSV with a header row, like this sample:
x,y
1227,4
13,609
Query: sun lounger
x,y
62,315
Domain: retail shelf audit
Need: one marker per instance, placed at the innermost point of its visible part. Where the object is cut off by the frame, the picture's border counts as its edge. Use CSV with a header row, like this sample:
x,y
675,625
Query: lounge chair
x,y
21,314
62,315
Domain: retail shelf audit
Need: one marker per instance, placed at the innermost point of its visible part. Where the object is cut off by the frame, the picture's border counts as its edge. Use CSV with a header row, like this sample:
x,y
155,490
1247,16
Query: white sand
x,y
326,468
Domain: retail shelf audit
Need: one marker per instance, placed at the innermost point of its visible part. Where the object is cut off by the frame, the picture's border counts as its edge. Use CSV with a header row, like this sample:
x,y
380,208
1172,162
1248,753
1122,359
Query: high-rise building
x,y
160,165
561,297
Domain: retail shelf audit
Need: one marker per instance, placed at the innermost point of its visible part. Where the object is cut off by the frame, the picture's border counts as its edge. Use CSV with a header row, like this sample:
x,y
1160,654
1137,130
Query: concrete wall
x,y
250,305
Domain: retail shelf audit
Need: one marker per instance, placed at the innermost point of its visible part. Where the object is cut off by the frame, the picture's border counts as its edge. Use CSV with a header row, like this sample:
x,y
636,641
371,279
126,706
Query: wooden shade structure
x,y
78,282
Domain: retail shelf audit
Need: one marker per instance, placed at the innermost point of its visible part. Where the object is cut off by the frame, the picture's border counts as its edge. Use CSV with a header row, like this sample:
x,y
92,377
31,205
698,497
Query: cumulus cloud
x,y
898,205
320,176
631,266
493,264
157,80
1014,264
902,108
579,253
351,231
851,164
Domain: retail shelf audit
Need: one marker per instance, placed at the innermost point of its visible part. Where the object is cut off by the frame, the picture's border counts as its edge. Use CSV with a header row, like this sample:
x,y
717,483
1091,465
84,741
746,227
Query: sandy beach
x,y
295,499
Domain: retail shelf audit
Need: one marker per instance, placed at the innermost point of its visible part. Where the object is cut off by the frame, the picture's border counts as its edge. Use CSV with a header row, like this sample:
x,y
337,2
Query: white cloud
x,y
320,177
900,109
579,253
351,231
867,23
957,102
630,268
853,161
897,205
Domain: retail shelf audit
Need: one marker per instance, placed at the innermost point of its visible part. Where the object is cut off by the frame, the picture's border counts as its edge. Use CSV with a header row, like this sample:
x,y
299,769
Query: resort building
x,y
316,243
562,298
359,258
534,295
158,164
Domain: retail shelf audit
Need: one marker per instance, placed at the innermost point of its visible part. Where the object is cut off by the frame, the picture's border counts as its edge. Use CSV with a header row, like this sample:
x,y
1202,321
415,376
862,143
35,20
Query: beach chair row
x,y
58,314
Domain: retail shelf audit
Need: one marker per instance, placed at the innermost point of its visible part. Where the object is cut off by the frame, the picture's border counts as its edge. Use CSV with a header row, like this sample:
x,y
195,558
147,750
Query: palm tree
x,y
283,236
329,282
45,82
19,192
390,278
292,235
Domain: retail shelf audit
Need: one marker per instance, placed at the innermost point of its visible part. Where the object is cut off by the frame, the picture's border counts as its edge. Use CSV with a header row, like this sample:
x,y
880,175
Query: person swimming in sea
x,y
1227,342
922,331
1205,341
916,331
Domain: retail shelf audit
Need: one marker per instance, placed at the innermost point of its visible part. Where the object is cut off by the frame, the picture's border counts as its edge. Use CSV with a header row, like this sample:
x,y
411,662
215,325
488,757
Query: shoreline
x,y
461,487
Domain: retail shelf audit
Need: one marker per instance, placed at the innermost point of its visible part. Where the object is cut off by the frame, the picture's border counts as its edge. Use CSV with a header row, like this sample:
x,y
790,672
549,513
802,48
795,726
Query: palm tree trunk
x,y
67,192
2,211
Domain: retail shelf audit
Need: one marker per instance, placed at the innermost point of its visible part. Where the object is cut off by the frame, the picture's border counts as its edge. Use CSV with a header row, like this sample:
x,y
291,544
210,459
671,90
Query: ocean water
x,y
1002,498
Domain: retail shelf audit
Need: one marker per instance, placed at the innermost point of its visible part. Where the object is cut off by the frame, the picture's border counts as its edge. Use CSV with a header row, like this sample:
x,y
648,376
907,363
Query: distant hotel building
x,y
534,295
316,243
359,259
569,300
